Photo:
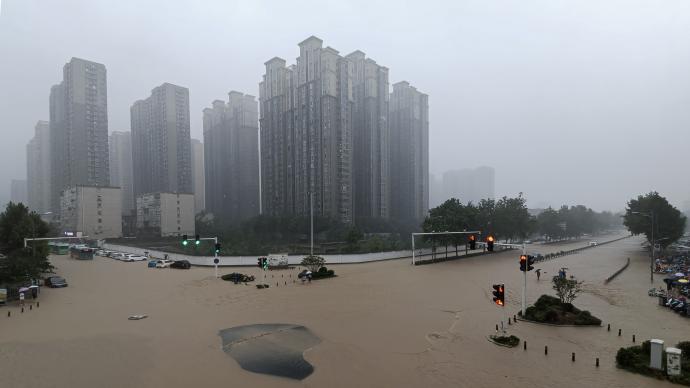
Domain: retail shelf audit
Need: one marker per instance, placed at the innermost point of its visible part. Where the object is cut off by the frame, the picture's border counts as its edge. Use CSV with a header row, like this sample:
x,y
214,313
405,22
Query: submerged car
x,y
181,264
134,258
55,282
164,263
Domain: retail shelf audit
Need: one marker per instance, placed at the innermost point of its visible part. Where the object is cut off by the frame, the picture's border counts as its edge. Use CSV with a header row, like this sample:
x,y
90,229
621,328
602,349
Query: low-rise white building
x,y
165,214
96,211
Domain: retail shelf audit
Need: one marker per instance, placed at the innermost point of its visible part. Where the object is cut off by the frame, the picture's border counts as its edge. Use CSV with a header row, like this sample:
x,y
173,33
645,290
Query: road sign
x,y
216,261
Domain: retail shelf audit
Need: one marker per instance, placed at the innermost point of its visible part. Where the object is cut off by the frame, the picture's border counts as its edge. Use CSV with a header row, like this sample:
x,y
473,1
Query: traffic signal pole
x,y
524,284
215,255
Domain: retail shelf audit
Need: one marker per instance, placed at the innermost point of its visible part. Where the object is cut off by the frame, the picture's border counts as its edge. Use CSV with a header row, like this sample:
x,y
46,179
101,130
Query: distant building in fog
x,y
165,214
38,169
198,179
436,196
231,158
18,191
409,128
161,145
79,129
96,211
469,185
121,168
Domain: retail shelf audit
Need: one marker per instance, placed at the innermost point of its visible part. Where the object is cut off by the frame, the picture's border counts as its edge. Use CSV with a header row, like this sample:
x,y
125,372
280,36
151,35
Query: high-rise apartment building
x,y
198,179
231,154
79,128
121,169
370,136
306,134
161,145
409,128
38,169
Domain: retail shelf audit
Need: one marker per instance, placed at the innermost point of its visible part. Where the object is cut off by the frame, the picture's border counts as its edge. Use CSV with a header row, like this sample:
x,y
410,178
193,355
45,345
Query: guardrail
x,y
608,279
555,255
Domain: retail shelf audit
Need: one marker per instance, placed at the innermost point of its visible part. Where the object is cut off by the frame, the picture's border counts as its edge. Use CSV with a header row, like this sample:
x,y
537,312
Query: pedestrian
x,y
21,299
538,271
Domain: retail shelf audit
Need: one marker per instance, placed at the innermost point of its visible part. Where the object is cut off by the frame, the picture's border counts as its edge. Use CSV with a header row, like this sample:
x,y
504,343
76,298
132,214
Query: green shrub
x,y
586,318
684,346
628,358
545,301
511,341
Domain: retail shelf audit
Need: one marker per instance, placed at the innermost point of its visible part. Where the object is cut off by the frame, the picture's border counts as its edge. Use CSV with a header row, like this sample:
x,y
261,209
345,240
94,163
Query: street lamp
x,y
651,260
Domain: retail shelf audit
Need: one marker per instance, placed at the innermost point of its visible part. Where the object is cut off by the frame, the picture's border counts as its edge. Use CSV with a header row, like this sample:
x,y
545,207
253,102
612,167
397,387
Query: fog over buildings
x,y
570,102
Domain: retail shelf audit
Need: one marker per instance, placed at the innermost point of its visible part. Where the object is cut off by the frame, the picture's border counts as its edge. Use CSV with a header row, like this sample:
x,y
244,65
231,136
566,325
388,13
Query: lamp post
x,y
651,259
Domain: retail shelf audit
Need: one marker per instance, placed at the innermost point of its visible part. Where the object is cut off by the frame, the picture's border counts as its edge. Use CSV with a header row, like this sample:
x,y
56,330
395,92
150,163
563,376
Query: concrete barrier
x,y
228,261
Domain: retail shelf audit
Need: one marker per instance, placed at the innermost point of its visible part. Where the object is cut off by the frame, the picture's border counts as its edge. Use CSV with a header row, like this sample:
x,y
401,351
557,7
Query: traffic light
x,y
197,241
499,294
530,261
473,242
523,263
490,243
184,240
260,262
217,248
265,263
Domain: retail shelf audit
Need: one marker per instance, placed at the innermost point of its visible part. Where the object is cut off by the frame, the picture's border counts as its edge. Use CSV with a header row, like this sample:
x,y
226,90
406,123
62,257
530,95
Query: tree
x,y
566,289
549,223
17,223
511,218
669,222
313,262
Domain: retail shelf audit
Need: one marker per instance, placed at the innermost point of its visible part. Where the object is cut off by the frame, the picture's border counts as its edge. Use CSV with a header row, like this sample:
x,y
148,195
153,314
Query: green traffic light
x,y
197,242
185,242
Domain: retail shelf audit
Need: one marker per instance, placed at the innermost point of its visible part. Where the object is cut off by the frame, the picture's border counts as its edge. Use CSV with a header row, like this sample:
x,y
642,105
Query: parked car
x,y
181,264
118,256
164,263
134,258
55,282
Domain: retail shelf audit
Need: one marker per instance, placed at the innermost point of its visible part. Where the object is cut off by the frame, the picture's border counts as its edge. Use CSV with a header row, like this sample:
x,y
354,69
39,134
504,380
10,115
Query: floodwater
x,y
383,324
273,349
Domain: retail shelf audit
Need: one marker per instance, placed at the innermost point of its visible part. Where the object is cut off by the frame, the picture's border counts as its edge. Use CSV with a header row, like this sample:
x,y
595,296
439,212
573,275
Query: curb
x,y
553,324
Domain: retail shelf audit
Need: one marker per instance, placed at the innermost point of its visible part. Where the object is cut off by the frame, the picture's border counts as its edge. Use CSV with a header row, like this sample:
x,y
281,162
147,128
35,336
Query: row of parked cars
x,y
120,255
152,263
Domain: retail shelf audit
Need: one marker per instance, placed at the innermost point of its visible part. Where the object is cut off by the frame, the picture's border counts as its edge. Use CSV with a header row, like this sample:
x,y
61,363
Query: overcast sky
x,y
577,102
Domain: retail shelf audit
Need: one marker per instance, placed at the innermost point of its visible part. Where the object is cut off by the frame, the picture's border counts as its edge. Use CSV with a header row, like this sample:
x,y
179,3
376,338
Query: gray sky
x,y
571,101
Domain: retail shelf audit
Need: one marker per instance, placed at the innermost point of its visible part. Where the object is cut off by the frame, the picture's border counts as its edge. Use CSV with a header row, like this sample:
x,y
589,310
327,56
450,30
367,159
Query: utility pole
x,y
311,222
215,258
524,284
651,260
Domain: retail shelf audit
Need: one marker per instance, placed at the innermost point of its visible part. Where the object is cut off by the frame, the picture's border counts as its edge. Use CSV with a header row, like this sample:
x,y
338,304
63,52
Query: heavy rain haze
x,y
570,101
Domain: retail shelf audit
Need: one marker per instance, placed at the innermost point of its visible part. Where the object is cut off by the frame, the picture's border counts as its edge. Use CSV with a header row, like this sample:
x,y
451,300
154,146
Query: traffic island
x,y
550,310
637,359
504,340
